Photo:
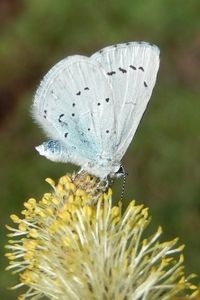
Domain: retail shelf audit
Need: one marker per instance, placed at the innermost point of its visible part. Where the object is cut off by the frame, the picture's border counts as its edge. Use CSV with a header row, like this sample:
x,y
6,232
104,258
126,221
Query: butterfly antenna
x,y
123,184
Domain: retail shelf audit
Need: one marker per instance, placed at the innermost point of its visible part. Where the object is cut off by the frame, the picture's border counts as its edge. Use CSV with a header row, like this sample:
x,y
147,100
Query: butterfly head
x,y
103,168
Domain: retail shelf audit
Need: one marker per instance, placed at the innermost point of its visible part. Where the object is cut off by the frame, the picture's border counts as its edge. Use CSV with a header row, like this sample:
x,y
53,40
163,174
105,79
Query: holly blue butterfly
x,y
90,107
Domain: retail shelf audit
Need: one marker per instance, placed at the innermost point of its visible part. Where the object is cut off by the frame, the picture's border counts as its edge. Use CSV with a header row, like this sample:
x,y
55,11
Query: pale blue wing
x,y
74,105
131,69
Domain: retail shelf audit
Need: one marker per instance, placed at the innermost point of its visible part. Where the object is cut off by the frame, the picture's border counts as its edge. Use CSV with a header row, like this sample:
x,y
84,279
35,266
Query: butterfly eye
x,y
120,172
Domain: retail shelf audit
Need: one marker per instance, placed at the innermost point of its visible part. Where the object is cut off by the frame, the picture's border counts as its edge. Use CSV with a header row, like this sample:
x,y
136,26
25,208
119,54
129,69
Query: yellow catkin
x,y
75,237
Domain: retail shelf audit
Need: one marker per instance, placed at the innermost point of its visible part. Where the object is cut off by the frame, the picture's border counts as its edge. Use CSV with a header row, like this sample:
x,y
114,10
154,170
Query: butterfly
x,y
90,107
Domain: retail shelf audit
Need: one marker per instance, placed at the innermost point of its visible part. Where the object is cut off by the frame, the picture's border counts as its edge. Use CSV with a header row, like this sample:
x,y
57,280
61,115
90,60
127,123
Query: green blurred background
x,y
162,162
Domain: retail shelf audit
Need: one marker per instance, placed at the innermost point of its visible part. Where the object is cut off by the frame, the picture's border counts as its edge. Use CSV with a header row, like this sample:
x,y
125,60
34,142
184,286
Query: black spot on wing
x,y
107,99
66,134
133,67
122,70
98,103
73,104
45,114
141,68
107,131
73,115
59,119
145,84
85,89
111,73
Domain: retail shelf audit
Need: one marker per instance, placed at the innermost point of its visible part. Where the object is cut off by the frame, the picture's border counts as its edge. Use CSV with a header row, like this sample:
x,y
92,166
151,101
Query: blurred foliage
x,y
163,160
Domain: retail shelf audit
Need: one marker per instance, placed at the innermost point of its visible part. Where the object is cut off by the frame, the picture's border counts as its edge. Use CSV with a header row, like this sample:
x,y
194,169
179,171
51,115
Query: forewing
x,y
74,104
131,69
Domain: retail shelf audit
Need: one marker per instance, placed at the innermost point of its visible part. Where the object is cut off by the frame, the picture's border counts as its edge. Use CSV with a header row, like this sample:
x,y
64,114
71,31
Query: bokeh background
x,y
162,162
